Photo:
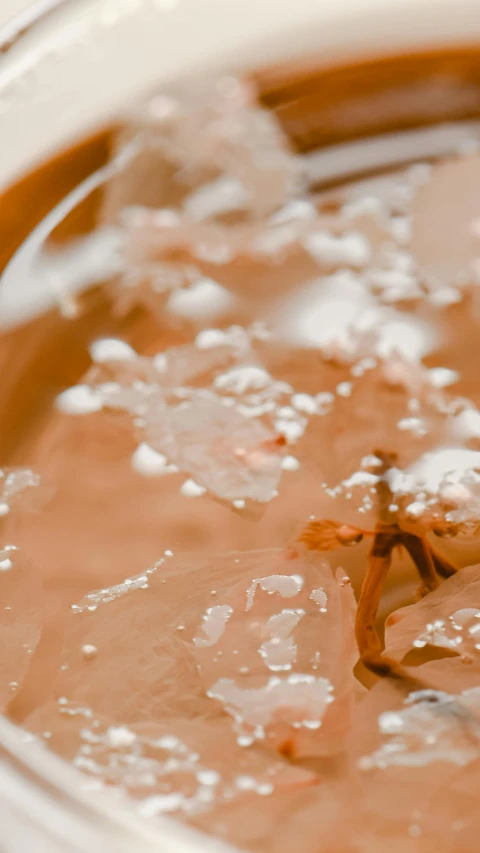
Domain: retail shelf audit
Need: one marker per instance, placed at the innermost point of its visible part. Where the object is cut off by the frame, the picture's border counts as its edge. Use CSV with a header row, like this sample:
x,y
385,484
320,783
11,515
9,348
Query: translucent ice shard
x,y
448,618
208,409
232,456
413,772
187,768
448,204
20,488
244,631
280,658
212,147
432,726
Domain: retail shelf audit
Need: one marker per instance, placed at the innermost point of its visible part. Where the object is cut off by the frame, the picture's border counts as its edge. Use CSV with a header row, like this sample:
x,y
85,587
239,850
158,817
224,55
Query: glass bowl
x,y
67,68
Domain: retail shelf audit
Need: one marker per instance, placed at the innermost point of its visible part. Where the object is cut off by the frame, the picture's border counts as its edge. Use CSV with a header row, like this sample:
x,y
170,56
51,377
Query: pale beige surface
x,y
85,54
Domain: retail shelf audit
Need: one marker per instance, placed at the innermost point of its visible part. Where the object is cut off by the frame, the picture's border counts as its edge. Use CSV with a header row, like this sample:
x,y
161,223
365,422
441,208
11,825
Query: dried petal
x,y
327,535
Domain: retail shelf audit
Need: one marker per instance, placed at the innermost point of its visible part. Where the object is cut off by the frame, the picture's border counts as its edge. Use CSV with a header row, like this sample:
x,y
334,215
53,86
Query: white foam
x,y
111,349
79,400
148,462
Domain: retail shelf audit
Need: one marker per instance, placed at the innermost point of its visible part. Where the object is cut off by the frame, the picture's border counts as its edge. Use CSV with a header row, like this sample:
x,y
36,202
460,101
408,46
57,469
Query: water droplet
x,y
191,489
89,652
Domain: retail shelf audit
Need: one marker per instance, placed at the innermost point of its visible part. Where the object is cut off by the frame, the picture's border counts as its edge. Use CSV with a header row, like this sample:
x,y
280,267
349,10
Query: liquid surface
x,y
248,333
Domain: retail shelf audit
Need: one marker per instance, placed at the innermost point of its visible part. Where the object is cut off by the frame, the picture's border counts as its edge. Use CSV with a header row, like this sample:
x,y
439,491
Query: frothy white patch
x,y
305,403
148,462
290,463
111,349
79,400
213,626
452,463
239,380
191,489
319,596
298,699
442,377
205,300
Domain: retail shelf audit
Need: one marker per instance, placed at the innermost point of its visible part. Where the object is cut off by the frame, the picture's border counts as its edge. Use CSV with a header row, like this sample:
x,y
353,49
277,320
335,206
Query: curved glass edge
x,y
16,26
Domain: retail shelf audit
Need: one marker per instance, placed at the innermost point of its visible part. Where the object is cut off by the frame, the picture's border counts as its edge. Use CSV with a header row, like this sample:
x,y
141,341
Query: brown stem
x,y
443,567
369,644
421,555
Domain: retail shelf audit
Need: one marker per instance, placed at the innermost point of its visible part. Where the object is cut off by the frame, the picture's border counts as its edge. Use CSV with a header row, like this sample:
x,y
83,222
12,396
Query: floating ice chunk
x,y
191,768
447,463
401,229
213,625
234,336
466,424
319,596
294,210
280,659
361,478
301,700
447,205
231,154
148,462
287,586
395,284
240,380
409,337
290,463
89,651
111,349
442,377
324,401
218,125
447,618
322,312
347,250
416,509
338,315
344,389
305,403
279,653
225,195
429,728
20,488
79,400
203,302
191,489
231,456
291,429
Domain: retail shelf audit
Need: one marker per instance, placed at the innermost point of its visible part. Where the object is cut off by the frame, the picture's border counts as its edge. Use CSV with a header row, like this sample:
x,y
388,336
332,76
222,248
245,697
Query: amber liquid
x,y
103,523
